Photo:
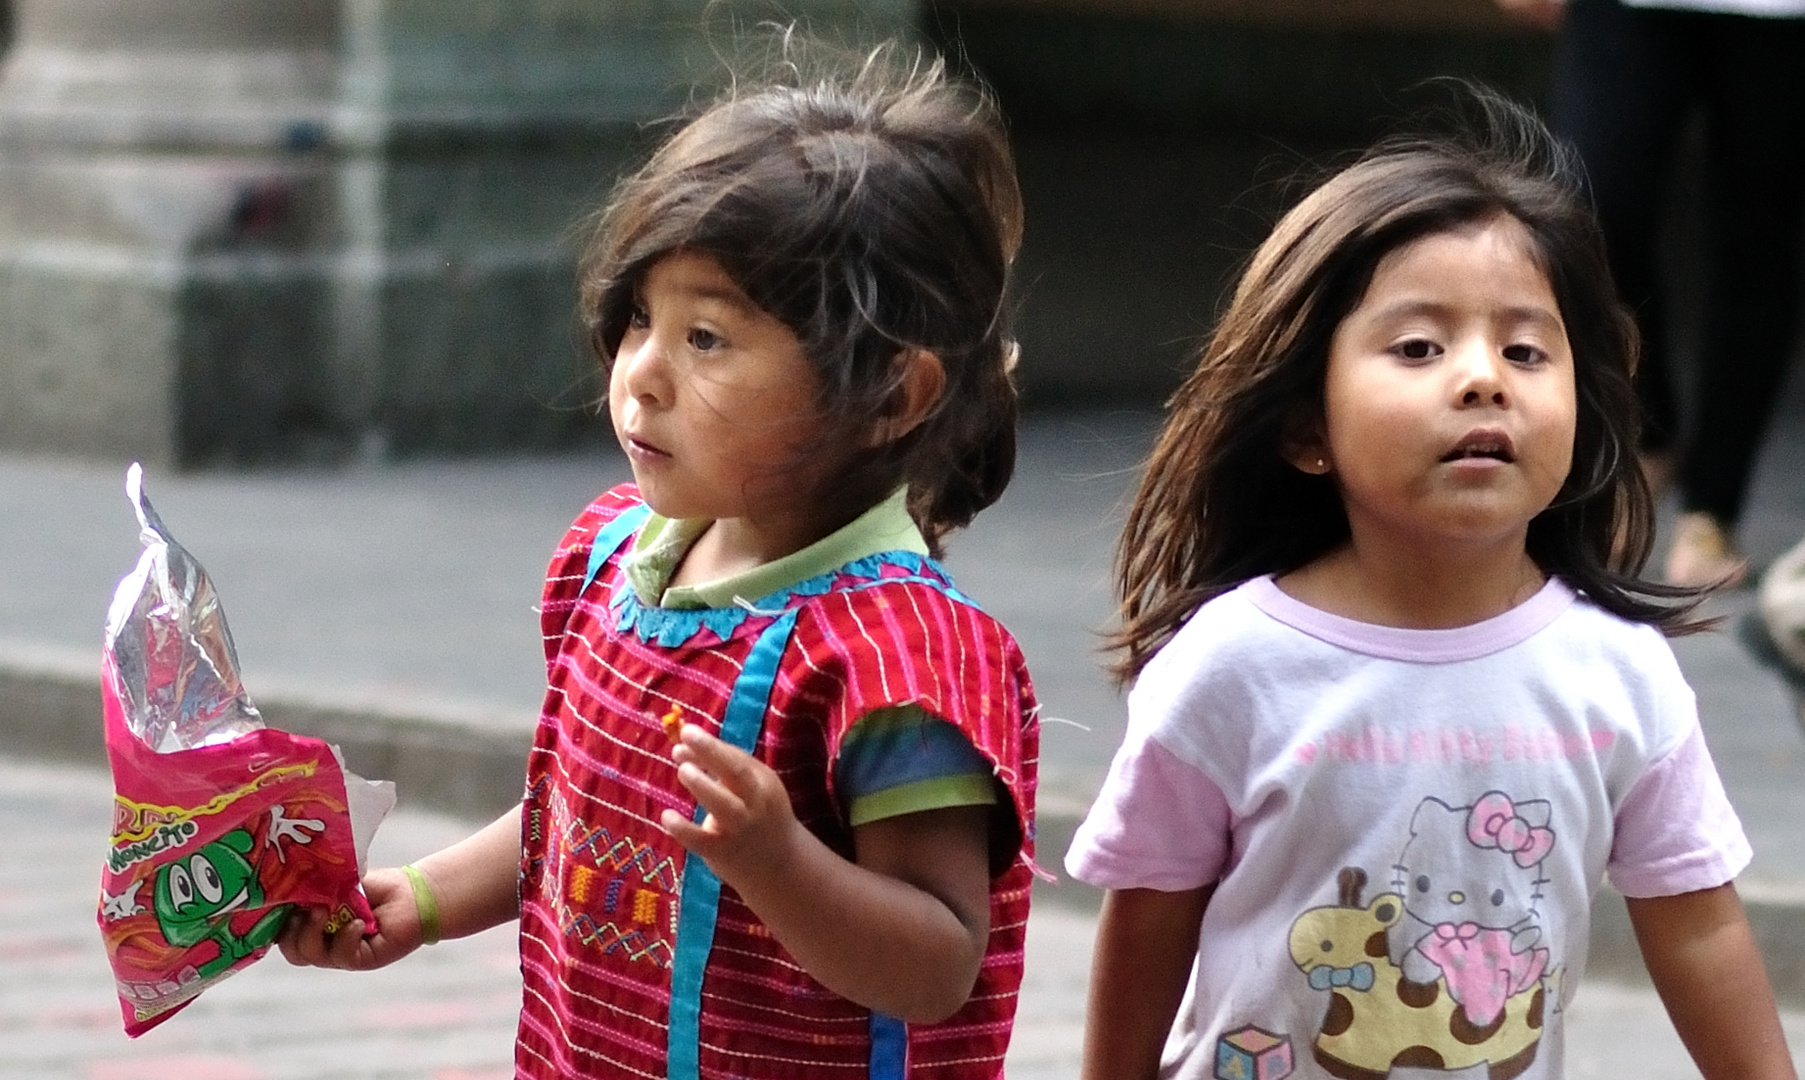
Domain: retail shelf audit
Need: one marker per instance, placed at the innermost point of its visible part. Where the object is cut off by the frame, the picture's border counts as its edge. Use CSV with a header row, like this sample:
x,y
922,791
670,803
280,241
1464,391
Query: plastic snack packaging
x,y
220,824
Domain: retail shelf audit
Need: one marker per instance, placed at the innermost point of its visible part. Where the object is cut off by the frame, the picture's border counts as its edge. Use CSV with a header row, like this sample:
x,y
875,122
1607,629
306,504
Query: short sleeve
x,y
901,760
907,642
1676,831
1158,823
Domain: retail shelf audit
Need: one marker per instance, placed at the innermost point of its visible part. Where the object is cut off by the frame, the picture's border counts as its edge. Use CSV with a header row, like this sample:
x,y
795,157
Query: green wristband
x,y
425,903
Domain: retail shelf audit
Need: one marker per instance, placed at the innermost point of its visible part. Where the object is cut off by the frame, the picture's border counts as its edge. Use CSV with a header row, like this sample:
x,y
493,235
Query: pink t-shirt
x,y
1392,815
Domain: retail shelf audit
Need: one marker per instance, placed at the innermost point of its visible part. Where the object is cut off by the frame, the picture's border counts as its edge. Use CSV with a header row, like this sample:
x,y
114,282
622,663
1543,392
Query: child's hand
x,y
900,928
750,827
304,941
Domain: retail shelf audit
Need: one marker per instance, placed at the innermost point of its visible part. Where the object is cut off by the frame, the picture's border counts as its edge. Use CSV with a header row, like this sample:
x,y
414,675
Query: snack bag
x,y
220,824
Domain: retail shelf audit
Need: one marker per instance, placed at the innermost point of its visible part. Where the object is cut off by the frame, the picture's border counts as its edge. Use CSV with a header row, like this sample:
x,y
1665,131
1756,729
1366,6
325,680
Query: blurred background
x,y
239,232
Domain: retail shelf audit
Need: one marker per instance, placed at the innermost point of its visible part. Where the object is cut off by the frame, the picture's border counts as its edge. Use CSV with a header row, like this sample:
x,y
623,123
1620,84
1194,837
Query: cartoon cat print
x,y
1470,878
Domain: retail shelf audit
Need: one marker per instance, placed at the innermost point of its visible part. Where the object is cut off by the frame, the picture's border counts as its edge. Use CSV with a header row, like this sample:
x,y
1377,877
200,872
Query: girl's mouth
x,y
1485,445
639,448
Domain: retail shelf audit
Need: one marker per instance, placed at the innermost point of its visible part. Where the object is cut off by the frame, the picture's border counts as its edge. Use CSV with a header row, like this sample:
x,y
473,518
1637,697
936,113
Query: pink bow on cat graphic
x,y
1495,823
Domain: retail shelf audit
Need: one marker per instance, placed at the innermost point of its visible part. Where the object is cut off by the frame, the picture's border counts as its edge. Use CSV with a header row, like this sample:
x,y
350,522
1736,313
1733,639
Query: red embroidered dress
x,y
603,888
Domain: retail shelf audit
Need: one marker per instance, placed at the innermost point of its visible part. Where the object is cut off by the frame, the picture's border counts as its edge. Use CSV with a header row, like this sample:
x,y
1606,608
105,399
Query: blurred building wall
x,y
238,231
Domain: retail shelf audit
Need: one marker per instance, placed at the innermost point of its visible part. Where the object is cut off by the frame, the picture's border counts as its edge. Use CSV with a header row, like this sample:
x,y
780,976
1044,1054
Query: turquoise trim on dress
x,y
610,537
889,1048
670,627
701,901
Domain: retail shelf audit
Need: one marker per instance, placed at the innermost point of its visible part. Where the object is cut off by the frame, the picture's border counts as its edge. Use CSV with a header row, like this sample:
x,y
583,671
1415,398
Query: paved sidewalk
x,y
389,608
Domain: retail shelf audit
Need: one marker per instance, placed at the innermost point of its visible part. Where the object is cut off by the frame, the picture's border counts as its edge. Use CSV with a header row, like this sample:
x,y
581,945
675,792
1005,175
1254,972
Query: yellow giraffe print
x,y
1377,1019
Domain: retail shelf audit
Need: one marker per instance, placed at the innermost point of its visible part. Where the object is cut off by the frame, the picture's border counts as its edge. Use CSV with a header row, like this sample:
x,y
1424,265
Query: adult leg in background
x,y
1623,82
1753,83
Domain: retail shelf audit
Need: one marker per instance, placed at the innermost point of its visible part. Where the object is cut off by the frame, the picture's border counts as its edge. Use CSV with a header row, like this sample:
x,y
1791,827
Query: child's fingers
x,y
724,819
710,838
682,829
721,801
757,792
732,767
347,948
746,807
303,937
304,942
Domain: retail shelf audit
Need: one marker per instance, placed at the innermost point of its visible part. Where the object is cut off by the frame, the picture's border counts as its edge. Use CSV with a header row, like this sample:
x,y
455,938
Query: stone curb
x,y
462,766
471,767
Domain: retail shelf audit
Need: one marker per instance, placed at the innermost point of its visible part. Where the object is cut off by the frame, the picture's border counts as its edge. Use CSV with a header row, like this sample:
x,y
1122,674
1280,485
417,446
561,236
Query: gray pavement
x,y
389,607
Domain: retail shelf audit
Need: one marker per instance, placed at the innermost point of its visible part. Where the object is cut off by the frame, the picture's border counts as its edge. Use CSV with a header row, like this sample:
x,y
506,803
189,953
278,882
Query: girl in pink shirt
x,y
1401,700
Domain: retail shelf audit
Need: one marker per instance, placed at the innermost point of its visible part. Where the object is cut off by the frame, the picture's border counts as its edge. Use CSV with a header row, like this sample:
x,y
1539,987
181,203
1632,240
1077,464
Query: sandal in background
x,y
1703,553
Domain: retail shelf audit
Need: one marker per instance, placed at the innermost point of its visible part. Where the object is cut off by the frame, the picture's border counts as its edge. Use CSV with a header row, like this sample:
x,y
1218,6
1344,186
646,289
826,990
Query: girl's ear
x,y
1301,443
920,381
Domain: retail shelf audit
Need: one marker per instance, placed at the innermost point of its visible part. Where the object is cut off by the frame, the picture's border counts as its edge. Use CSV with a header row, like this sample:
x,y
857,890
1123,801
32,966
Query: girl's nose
x,y
640,367
1481,375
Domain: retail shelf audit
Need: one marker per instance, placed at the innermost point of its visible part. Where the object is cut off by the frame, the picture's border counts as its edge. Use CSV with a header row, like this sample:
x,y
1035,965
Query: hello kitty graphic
x,y
1470,878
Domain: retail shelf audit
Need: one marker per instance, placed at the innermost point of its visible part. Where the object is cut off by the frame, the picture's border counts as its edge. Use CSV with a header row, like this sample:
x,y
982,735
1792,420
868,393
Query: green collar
x,y
662,543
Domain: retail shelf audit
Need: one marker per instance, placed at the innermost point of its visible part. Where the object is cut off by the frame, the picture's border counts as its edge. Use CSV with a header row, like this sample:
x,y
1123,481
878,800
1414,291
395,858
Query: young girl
x,y
1400,703
778,813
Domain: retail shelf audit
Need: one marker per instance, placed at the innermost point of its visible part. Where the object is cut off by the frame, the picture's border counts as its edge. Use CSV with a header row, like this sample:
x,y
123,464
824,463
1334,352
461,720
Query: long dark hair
x,y
1219,504
868,202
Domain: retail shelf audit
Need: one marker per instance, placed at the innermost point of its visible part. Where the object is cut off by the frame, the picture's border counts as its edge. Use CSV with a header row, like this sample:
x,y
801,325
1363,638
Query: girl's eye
x,y
703,340
638,318
1416,349
1523,354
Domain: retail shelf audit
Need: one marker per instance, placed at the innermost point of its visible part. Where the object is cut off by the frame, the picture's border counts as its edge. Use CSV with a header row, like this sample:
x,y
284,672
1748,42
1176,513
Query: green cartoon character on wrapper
x,y
197,897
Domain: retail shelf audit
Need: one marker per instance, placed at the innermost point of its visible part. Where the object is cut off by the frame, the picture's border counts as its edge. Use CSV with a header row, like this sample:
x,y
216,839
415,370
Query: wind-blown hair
x,y
870,204
1218,502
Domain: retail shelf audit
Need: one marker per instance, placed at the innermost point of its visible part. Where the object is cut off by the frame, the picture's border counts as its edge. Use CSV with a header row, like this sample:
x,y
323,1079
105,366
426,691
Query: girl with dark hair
x,y
1401,701
779,811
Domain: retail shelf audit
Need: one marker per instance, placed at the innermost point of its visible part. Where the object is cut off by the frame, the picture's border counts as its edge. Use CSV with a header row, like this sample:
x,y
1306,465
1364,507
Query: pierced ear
x,y
1302,444
920,380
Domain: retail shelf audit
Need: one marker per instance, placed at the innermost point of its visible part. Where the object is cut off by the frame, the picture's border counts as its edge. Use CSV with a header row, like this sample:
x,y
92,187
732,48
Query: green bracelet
x,y
425,903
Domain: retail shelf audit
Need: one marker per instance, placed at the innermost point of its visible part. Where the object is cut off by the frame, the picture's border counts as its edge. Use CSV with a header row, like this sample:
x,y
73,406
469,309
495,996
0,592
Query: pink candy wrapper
x,y
220,824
